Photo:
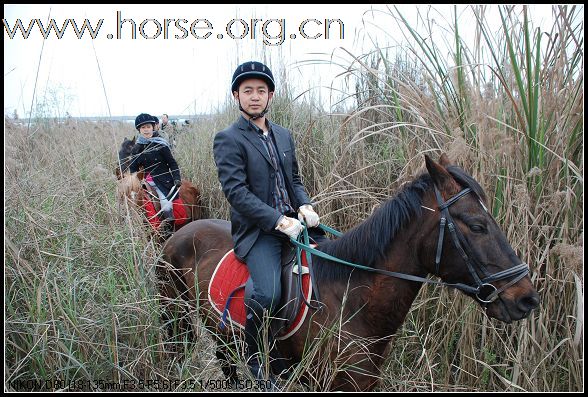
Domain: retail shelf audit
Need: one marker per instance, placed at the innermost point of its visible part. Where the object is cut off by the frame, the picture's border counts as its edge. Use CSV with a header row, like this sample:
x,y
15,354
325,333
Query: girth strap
x,y
223,322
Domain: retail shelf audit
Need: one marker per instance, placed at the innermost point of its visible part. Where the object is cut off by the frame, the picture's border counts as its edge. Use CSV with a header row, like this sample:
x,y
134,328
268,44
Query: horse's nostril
x,y
528,303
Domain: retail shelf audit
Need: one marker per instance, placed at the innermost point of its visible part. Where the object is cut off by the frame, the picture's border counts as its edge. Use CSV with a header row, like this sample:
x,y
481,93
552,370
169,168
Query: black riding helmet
x,y
252,70
143,118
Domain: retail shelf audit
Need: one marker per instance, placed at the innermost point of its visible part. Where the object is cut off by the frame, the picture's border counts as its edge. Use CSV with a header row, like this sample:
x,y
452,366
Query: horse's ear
x,y
118,173
141,174
133,140
444,160
442,179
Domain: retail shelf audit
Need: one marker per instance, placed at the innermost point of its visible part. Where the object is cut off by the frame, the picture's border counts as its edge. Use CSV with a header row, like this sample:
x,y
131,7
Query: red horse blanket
x,y
228,286
180,214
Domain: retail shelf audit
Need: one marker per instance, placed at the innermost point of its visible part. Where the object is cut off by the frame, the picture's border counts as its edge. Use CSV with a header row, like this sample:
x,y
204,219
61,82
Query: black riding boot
x,y
169,215
167,225
255,362
252,332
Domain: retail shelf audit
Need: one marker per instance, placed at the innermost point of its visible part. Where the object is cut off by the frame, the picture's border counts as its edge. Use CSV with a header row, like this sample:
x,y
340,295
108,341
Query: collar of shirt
x,y
259,130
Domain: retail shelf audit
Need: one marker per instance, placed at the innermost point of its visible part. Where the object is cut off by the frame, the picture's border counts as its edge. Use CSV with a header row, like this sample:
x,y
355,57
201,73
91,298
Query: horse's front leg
x,y
361,374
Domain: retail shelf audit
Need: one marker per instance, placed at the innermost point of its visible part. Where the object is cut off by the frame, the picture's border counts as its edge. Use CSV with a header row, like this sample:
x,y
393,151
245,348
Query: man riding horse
x,y
258,171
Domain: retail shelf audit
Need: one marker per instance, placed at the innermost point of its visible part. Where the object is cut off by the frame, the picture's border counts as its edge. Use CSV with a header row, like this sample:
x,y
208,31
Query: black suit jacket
x,y
157,160
247,177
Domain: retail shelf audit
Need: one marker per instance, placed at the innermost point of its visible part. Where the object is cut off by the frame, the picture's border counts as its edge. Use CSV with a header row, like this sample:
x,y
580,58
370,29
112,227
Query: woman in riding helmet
x,y
153,153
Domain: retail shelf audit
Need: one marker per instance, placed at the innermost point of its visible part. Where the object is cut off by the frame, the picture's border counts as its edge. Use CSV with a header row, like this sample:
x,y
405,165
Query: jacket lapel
x,y
251,135
282,142
283,145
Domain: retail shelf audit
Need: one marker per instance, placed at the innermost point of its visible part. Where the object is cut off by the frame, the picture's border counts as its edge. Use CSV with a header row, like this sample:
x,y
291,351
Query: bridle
x,y
483,289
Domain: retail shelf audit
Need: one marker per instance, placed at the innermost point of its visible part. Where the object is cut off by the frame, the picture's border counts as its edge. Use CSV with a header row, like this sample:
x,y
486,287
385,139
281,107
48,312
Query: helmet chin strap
x,y
253,116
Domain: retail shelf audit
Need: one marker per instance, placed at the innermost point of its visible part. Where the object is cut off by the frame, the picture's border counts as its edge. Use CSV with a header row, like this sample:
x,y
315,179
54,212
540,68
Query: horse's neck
x,y
383,301
388,304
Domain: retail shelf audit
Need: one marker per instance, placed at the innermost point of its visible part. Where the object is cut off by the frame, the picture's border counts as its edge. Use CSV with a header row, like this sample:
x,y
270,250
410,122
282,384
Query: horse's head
x,y
124,157
466,246
129,187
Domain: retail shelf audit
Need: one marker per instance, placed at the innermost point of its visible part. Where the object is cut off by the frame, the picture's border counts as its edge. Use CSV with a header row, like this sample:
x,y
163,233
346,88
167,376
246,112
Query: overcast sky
x,y
182,58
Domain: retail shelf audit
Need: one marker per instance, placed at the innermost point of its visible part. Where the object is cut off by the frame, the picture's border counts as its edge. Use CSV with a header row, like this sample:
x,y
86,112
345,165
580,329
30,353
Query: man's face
x,y
146,130
164,119
254,95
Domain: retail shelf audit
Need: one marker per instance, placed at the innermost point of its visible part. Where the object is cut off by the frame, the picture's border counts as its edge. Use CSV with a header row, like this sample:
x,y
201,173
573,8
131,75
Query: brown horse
x,y
437,225
131,187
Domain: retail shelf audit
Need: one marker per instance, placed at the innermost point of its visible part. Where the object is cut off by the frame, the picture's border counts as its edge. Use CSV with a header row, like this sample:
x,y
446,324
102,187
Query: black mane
x,y
367,243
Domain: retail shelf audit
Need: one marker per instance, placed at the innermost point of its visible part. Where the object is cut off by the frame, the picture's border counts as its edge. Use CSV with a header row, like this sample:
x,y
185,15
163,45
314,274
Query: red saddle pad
x,y
231,273
180,214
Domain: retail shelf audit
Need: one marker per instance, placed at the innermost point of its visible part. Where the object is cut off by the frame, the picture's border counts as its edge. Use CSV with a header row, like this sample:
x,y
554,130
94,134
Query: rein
x,y
484,291
301,246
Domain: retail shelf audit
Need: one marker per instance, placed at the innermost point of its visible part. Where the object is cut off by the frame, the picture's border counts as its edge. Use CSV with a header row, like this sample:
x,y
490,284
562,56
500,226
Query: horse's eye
x,y
477,228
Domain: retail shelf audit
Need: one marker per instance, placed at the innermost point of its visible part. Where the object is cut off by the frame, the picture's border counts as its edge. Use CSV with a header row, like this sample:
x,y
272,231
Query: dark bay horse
x,y
437,224
124,156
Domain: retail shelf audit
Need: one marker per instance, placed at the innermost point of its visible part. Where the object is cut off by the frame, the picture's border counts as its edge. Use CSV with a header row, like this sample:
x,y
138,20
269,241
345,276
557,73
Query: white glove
x,y
307,214
290,226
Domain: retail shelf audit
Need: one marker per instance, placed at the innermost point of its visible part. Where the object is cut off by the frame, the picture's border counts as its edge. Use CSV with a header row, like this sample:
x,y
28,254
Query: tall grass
x,y
81,296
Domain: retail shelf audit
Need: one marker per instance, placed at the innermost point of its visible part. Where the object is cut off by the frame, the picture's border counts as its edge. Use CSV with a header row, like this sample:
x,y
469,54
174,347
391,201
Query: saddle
x,y
226,293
